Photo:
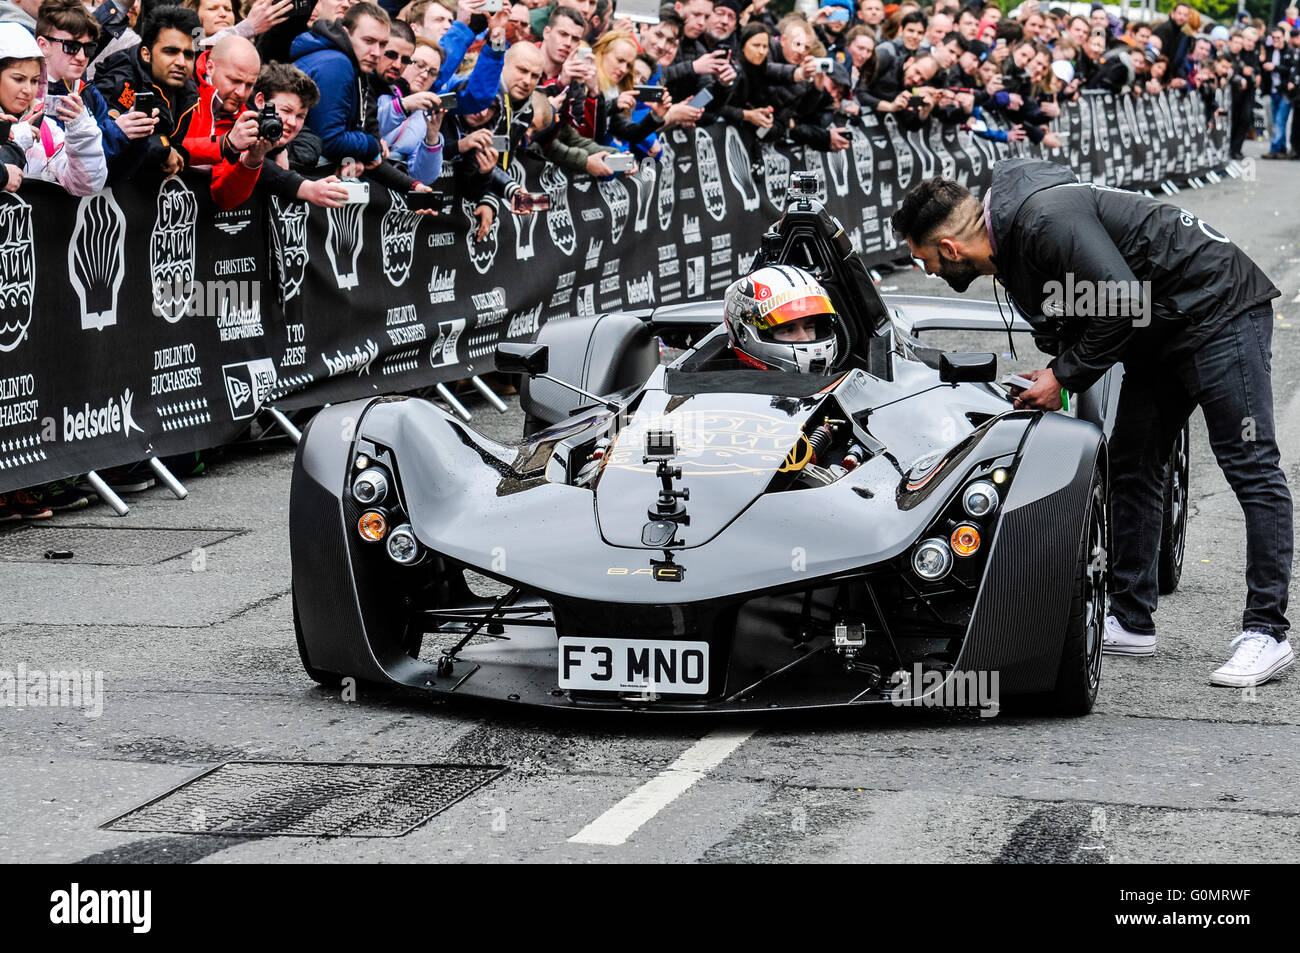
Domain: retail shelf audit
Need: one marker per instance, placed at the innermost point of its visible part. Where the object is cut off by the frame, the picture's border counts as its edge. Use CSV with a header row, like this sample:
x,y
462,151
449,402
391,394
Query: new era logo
x,y
247,386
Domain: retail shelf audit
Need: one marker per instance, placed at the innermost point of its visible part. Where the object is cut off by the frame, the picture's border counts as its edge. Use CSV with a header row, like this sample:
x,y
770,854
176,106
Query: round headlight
x,y
402,545
370,486
980,499
931,560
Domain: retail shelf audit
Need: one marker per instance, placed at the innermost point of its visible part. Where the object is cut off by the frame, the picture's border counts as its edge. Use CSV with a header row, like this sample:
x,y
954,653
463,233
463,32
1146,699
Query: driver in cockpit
x,y
780,318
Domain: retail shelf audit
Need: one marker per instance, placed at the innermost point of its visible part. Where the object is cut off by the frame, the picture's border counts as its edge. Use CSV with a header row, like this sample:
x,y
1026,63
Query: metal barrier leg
x,y
285,423
488,394
450,398
168,478
106,494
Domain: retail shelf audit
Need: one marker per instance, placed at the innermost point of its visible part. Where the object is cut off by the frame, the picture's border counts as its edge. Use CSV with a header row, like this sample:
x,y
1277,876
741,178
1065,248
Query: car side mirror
x,y
974,367
530,359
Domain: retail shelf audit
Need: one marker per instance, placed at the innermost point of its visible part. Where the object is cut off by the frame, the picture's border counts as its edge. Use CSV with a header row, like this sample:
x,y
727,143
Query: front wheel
x,y
1079,676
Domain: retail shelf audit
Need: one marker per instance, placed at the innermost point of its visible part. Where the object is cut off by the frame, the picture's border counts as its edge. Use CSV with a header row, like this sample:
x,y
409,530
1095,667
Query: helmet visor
x,y
791,306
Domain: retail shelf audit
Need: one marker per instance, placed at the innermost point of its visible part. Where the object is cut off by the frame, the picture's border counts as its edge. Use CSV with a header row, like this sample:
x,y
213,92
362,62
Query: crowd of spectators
x,y
443,96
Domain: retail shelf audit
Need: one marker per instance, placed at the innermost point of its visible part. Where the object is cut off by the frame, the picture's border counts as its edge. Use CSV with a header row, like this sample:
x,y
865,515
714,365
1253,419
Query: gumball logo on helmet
x,y
779,318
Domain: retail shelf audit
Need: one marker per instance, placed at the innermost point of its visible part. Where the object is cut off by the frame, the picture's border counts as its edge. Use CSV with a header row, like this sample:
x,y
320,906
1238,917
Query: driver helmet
x,y
779,318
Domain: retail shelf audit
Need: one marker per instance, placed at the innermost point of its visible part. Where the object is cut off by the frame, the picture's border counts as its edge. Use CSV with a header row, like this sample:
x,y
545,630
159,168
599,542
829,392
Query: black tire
x,y
1173,534
327,679
1079,676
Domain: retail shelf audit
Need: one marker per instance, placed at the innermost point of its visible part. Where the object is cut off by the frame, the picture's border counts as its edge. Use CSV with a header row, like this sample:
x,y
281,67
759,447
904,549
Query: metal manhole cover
x,y
308,799
101,546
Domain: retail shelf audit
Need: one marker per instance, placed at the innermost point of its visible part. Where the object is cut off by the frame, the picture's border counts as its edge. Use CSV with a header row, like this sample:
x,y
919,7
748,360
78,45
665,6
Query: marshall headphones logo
x,y
559,220
248,384
738,168
615,195
171,250
715,198
17,270
482,253
289,235
397,239
443,351
644,182
594,248
95,258
667,198
524,224
344,238
776,175
358,359
113,417
442,286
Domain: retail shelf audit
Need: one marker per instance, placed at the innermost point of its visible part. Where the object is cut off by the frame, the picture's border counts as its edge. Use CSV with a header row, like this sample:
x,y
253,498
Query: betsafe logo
x,y
113,417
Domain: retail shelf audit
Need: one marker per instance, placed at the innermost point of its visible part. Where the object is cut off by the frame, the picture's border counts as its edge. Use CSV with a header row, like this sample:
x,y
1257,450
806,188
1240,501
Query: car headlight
x,y
370,486
931,559
980,499
965,540
403,547
372,526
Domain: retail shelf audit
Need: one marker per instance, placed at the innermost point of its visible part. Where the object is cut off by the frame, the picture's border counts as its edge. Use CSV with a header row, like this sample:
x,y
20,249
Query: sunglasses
x,y
392,55
73,47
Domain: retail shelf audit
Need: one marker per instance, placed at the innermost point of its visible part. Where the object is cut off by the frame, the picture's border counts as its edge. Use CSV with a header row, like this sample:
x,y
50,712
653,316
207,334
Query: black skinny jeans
x,y
1230,378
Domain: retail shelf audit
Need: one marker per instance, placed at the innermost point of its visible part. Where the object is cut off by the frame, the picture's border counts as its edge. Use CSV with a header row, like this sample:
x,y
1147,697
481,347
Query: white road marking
x,y
622,820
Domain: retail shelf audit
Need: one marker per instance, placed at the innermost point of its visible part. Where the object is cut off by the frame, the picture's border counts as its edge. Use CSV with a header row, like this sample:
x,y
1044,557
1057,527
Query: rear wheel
x,y
1173,536
1079,676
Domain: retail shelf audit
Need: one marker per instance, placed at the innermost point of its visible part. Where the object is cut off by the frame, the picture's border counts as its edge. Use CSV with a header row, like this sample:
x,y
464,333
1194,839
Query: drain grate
x,y
308,799
100,546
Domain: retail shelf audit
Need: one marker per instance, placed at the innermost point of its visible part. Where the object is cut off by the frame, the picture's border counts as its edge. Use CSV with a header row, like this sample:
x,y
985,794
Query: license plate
x,y
631,665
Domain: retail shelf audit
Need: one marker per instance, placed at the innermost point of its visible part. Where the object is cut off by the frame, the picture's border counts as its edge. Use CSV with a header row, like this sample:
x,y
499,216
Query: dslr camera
x,y
269,124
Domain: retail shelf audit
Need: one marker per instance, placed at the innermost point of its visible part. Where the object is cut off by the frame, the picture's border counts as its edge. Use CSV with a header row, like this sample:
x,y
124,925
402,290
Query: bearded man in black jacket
x,y
1186,312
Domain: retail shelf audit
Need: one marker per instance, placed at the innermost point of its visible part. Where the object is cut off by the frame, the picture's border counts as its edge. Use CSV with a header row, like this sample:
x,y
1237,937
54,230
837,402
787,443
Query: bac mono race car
x,y
701,536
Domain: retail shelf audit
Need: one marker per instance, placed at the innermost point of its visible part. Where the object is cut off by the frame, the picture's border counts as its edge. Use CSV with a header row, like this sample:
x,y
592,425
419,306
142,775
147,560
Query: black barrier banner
x,y
141,321
130,326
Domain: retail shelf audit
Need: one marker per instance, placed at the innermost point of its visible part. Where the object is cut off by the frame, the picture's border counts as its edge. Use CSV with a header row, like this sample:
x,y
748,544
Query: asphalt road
x,y
198,663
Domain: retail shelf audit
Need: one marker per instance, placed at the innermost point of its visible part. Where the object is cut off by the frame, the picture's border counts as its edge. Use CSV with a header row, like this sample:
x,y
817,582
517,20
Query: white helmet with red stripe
x,y
779,318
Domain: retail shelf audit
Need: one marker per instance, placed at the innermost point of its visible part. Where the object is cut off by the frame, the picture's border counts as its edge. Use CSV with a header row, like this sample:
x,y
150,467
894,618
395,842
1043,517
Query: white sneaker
x,y
1120,641
1258,658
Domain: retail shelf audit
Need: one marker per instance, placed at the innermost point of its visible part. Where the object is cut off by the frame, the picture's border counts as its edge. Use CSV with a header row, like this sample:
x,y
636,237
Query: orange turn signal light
x,y
965,540
372,526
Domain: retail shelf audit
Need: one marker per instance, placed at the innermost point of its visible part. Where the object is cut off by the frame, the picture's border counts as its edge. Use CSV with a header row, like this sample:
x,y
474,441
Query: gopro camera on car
x,y
803,183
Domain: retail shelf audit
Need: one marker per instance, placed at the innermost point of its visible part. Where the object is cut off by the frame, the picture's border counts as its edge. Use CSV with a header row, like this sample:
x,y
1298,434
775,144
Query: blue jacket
x,y
325,54
477,94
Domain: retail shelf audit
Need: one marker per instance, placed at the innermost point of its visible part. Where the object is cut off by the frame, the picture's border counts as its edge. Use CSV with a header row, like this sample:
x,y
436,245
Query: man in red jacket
x,y
221,127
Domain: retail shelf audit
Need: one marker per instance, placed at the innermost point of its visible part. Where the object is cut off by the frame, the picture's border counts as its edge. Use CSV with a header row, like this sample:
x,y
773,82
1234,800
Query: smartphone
x,y
620,161
302,8
51,104
358,192
584,53
5,126
490,6
823,64
449,101
501,143
701,99
523,203
145,102
914,102
649,94
417,201
1016,382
